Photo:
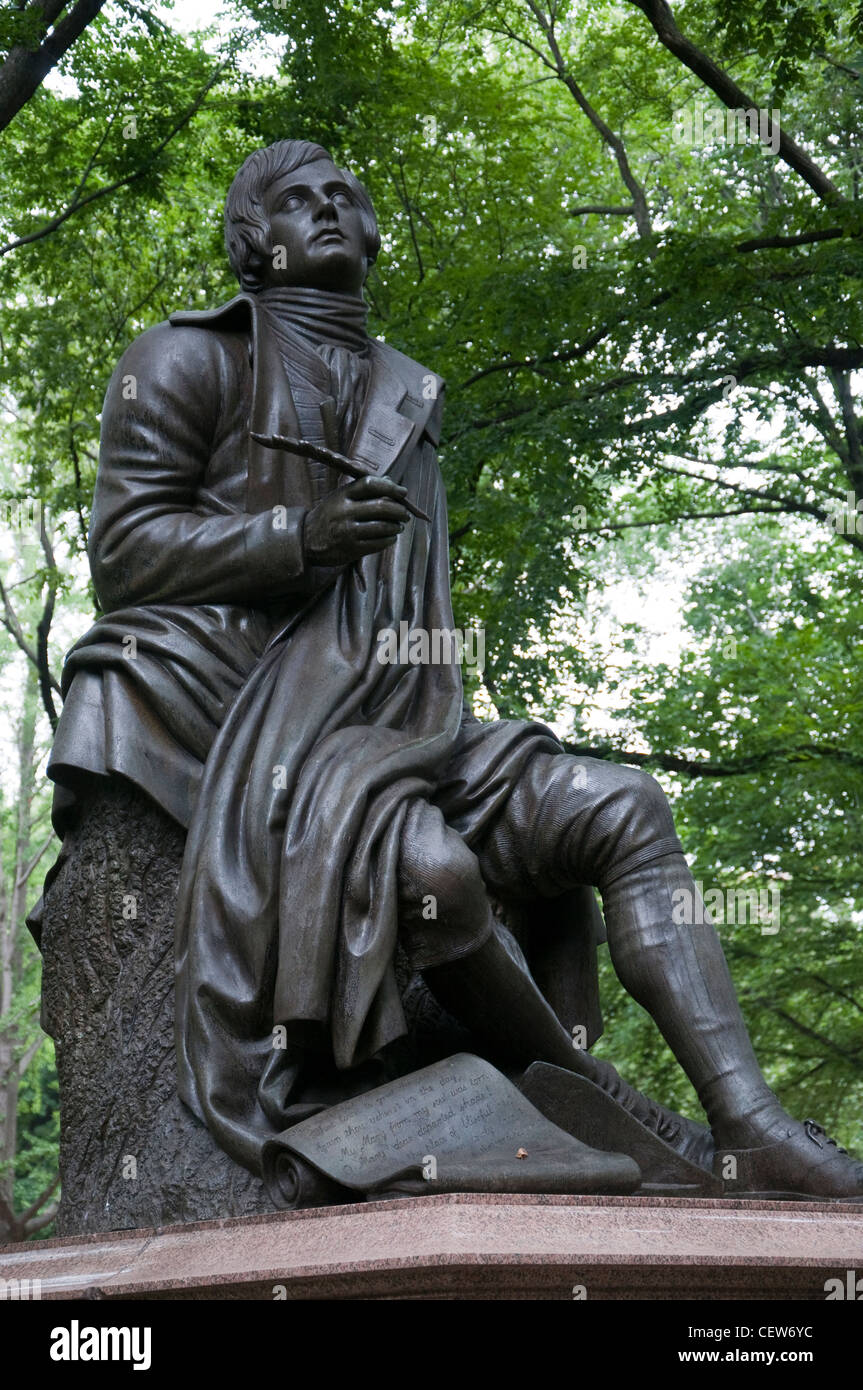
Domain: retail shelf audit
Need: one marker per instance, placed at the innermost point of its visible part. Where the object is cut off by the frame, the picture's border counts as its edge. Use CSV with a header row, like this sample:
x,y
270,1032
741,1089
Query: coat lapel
x,y
402,400
273,412
382,430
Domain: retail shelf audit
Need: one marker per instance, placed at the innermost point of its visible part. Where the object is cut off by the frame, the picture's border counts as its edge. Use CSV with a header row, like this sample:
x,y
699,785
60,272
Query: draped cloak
x,y
242,689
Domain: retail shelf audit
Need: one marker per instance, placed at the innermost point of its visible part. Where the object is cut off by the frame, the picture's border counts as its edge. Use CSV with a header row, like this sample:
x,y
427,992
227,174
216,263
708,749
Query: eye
x,y
341,195
292,203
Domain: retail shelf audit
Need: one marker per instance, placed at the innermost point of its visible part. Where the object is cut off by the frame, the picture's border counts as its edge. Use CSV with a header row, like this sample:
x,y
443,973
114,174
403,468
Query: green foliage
x,y
689,382
768,679
20,27
785,33
38,1132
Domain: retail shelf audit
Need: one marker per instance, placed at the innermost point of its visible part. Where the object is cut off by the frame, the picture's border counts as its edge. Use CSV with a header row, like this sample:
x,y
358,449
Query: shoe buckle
x,y
813,1131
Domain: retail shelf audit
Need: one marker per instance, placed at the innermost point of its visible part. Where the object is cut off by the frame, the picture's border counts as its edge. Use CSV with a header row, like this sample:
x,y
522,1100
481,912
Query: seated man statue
x,y
331,797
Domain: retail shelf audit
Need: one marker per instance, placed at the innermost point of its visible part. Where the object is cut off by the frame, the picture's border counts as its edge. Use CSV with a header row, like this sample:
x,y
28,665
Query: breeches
x,y
568,821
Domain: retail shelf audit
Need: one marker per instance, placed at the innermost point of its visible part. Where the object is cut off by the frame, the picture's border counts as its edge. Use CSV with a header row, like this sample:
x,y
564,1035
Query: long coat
x,y
242,690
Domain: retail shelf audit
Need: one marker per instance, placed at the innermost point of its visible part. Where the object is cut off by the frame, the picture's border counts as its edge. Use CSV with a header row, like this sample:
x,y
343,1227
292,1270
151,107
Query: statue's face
x,y
317,232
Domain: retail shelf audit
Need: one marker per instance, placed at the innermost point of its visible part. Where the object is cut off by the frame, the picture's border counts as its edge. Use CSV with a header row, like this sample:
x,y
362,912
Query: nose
x,y
325,207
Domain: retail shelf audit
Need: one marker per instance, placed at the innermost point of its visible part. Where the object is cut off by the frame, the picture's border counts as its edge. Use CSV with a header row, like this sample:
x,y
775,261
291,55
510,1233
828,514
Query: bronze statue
x,y
340,809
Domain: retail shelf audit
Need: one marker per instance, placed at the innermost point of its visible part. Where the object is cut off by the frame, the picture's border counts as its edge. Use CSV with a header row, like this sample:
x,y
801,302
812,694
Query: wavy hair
x,y
247,226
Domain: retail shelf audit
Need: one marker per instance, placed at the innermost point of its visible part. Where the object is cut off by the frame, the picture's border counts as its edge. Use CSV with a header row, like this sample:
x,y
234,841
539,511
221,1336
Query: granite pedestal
x,y
466,1247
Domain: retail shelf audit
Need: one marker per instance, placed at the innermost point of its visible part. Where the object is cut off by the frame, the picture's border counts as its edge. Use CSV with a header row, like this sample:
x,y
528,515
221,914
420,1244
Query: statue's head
x,y
293,218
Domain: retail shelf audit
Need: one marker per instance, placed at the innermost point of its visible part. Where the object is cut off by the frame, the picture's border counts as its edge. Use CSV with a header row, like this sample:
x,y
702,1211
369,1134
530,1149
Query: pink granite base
x,y
466,1247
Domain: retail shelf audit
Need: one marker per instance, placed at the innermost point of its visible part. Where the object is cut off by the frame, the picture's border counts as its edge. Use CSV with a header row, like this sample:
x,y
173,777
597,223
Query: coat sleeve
x,y
151,541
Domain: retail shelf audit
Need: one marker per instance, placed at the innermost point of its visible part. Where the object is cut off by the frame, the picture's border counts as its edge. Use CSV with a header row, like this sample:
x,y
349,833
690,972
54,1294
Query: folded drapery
x,y
242,689
287,915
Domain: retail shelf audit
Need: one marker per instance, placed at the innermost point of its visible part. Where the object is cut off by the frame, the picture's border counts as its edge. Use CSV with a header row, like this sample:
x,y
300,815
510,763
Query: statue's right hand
x,y
360,519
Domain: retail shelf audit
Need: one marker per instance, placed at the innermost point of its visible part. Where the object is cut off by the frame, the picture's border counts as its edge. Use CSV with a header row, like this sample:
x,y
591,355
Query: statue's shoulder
x,y
187,343
209,332
233,317
180,359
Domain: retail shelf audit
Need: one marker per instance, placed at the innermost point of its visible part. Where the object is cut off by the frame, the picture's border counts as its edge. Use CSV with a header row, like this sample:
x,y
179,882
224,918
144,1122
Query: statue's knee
x,y
643,802
439,877
606,789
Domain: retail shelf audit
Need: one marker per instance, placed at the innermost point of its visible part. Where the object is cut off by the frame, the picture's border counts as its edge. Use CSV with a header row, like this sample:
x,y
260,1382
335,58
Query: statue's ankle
x,y
762,1124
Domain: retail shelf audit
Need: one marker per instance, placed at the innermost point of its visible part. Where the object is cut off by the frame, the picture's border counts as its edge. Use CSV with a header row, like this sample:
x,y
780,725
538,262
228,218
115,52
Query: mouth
x,y
329,232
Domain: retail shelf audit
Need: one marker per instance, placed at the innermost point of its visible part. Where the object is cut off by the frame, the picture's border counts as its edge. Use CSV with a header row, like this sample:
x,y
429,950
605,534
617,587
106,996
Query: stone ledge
x,y
466,1247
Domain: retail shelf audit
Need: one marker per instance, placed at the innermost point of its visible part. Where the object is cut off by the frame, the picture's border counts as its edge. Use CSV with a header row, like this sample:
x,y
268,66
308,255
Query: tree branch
x,y
38,1223
824,422
769,243
785,503
771,1007
40,1201
27,1057
678,516
28,869
124,182
79,484
47,683
519,363
660,16
604,208
842,387
736,767
24,69
615,143
13,627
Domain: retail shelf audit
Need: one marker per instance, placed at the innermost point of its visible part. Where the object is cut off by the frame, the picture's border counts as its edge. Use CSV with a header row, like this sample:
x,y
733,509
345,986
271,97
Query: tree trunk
x,y
24,69
131,1153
